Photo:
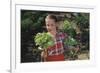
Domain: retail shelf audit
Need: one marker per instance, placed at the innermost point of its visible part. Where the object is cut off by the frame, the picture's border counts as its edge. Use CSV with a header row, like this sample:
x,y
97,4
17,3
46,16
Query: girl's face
x,y
50,25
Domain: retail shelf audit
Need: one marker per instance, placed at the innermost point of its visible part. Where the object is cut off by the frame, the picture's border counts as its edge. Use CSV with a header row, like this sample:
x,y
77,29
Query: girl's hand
x,y
44,55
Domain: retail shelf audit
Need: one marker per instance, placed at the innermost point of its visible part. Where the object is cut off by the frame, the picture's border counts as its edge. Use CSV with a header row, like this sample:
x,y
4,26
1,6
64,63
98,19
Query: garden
x,y
75,24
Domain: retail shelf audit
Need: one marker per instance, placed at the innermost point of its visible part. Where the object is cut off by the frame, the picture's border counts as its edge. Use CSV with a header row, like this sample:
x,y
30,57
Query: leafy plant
x,y
44,40
69,28
72,54
70,41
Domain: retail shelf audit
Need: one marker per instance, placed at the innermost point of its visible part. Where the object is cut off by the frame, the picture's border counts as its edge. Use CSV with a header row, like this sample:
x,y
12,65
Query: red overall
x,y
56,52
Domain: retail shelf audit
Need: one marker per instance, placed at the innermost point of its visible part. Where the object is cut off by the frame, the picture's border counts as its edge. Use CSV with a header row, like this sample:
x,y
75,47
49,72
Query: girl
x,y
56,52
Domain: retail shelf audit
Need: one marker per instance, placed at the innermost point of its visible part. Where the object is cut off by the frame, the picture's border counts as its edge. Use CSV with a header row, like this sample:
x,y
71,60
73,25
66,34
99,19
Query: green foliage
x,y
69,28
72,54
26,23
70,41
66,26
72,45
82,19
44,40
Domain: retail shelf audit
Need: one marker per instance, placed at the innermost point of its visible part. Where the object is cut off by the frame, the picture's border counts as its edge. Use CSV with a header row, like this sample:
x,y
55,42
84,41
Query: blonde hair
x,y
51,16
